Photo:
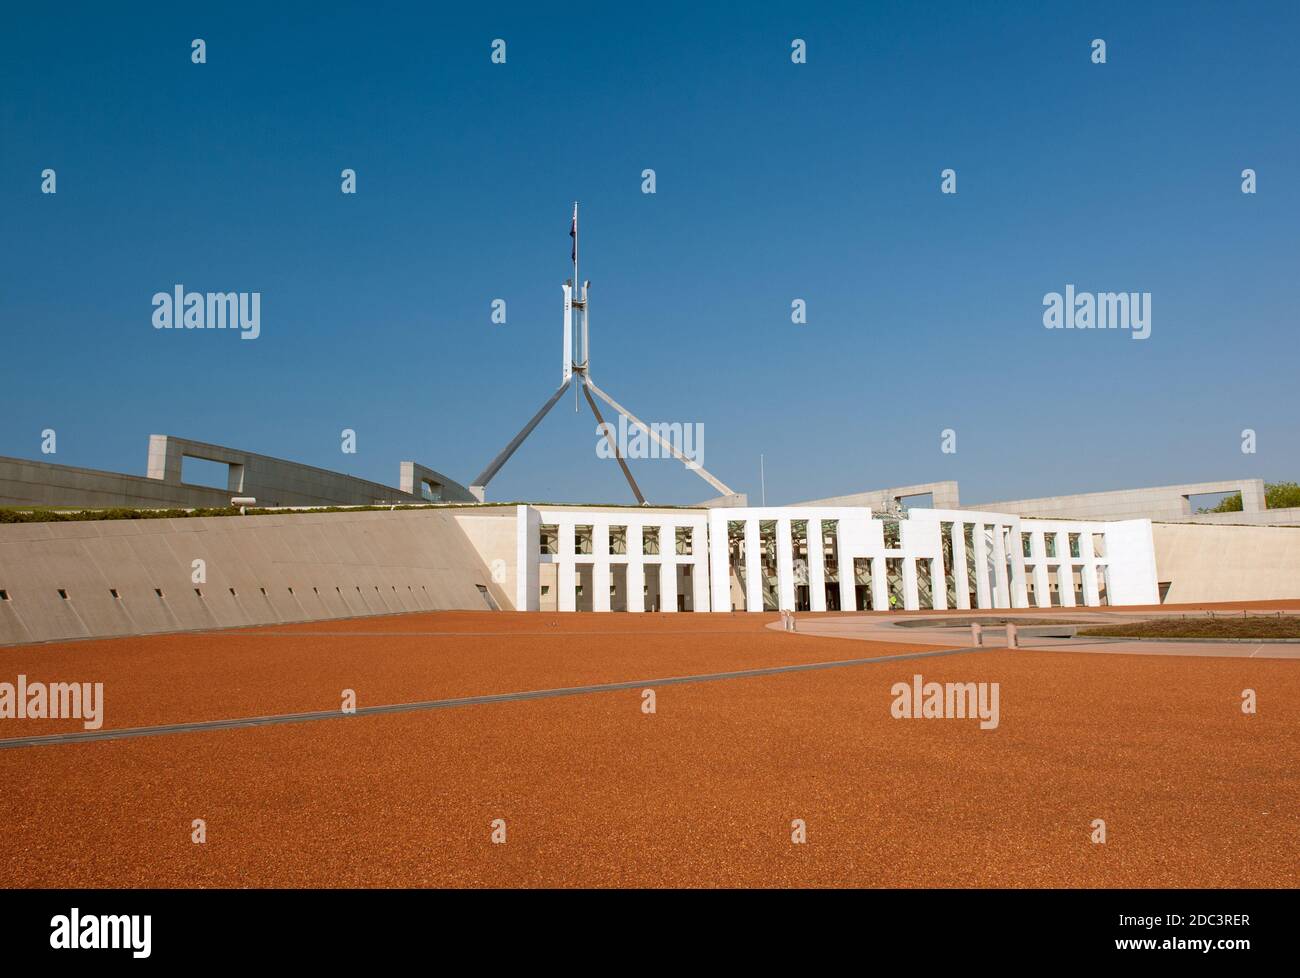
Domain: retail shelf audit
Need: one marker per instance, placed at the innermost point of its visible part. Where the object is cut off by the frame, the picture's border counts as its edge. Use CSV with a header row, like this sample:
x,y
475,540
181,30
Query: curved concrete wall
x,y
259,570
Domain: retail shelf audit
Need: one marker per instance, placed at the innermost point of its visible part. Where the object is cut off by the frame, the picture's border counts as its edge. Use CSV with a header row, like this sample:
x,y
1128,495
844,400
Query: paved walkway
x,y
892,628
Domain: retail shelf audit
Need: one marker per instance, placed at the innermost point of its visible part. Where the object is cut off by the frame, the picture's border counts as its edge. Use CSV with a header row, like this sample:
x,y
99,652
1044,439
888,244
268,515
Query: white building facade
x,y
812,558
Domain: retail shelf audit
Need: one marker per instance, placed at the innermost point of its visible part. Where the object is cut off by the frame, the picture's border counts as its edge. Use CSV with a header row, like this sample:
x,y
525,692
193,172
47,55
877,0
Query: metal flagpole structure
x,y
577,364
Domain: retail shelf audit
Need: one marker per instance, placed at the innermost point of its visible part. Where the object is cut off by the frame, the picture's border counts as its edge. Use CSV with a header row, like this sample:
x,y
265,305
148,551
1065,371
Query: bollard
x,y
976,633
1011,635
793,626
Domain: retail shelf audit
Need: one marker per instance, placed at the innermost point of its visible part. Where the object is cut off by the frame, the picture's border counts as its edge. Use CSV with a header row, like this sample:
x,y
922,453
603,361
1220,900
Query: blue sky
x,y
775,181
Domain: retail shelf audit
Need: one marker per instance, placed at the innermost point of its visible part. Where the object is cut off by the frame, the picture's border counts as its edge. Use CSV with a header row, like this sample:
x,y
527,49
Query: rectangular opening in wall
x,y
921,500
650,590
198,592
1027,544
1074,545
550,538
767,557
650,540
925,584
685,593
1031,595
585,590
862,595
113,592
4,595
158,591
685,541
972,575
63,593
1049,544
894,582
893,533
831,556
618,539
618,587
582,538
1076,577
430,490
205,472
1214,502
945,546
1099,545
487,598
736,563
1103,584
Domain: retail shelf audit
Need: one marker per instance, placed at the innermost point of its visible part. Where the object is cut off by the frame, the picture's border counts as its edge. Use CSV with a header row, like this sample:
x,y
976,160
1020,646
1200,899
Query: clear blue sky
x,y
775,181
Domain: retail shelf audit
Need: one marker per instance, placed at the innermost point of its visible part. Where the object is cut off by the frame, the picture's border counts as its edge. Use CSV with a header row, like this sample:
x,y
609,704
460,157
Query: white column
x,y
879,584
600,578
528,547
566,578
1042,581
784,564
1065,569
939,580
700,566
982,597
960,578
1019,592
816,567
719,562
635,568
1091,597
667,568
1001,589
911,594
753,568
846,569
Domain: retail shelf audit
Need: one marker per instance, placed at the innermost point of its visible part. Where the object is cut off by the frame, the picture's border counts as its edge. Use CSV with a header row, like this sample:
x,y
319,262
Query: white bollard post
x,y
976,633
1011,635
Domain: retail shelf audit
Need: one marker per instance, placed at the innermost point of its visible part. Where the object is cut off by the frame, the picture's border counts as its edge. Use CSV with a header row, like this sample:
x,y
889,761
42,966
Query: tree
x,y
1277,495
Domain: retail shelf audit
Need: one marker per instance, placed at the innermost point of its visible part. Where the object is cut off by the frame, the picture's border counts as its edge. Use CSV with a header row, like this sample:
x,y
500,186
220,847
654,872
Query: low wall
x,y
1204,562
259,570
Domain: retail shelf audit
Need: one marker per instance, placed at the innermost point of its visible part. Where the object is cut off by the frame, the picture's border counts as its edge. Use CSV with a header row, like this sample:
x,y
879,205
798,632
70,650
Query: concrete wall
x,y
944,494
491,532
1227,563
42,484
271,481
281,568
1157,503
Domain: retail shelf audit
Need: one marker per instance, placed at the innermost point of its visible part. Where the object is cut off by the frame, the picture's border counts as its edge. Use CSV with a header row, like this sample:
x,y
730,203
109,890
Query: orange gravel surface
x,y
400,659
595,792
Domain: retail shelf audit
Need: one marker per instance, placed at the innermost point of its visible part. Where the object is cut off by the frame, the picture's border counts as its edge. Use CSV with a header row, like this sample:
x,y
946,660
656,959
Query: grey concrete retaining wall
x,y
260,570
